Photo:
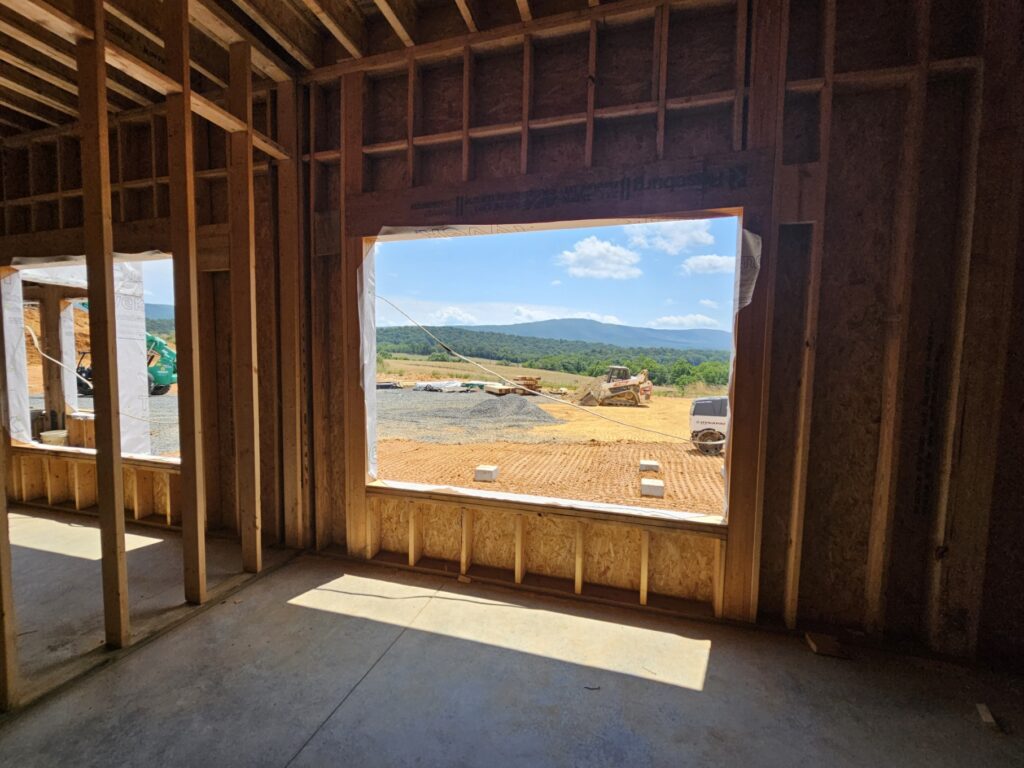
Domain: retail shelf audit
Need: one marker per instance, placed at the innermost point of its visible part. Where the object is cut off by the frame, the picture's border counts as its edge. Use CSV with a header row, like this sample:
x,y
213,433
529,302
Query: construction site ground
x,y
566,453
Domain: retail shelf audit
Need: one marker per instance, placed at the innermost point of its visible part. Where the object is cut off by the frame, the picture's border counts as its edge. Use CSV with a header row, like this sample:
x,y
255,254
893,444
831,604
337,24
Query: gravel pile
x,y
460,417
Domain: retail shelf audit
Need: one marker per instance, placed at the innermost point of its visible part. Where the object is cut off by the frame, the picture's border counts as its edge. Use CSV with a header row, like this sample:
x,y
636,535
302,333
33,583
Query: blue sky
x,y
676,274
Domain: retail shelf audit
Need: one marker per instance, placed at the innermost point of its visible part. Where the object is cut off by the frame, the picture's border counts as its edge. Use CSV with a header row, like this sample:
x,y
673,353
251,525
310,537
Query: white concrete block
x,y
650,465
486,473
651,487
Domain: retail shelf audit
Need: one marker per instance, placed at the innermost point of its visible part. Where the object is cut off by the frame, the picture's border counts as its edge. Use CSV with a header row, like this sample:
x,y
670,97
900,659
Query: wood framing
x,y
9,682
181,163
99,253
245,388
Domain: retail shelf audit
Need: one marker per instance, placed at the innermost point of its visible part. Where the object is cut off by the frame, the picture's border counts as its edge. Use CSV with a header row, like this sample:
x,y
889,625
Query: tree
x,y
713,372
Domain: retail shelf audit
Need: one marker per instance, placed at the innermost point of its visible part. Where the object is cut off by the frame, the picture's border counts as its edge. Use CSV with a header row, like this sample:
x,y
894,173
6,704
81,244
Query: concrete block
x,y
486,473
650,465
651,487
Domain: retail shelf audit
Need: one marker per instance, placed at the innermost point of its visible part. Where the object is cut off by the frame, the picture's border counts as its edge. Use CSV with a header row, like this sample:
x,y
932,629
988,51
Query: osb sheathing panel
x,y
611,556
386,108
625,59
557,150
494,539
784,393
927,353
701,51
439,165
549,546
266,326
698,132
560,75
394,525
496,158
497,85
873,34
864,163
625,142
441,98
441,526
803,59
681,565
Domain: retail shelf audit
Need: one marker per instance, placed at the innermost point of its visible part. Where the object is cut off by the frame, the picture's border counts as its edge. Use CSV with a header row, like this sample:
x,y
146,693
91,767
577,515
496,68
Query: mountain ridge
x,y
593,331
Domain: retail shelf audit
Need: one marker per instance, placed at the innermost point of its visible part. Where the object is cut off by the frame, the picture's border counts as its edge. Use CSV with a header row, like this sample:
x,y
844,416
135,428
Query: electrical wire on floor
x,y
498,376
39,349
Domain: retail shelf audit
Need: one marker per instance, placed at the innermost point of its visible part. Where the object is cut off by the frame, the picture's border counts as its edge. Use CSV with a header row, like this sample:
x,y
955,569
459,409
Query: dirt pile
x,y
510,408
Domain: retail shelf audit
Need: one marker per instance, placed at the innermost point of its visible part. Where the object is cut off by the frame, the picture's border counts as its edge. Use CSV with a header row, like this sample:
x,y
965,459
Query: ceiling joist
x,y
343,21
401,15
221,27
470,14
50,18
29,107
33,88
524,10
287,27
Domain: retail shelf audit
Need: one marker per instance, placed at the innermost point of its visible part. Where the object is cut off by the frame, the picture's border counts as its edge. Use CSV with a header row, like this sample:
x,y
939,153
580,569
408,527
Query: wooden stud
x,y
353,252
467,109
58,480
84,485
466,554
718,578
661,60
588,149
245,381
8,625
50,341
802,438
291,283
99,256
578,582
401,15
520,567
180,165
524,135
645,558
739,81
898,319
415,535
524,10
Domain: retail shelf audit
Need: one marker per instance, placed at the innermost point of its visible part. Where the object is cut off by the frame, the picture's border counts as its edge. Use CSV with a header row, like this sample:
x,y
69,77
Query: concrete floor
x,y
57,588
325,662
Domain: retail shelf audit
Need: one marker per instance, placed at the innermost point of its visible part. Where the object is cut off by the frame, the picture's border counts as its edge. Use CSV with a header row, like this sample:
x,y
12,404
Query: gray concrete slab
x,y
331,663
58,589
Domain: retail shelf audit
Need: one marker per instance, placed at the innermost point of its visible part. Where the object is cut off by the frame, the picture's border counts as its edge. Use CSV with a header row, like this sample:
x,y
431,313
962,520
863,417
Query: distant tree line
x,y
665,366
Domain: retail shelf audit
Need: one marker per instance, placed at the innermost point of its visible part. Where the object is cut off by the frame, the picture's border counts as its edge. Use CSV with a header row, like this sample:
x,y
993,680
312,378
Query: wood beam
x,y
242,259
35,89
205,56
524,10
59,52
343,21
51,18
99,255
287,27
50,340
469,11
353,252
8,624
29,61
137,69
221,27
291,283
180,165
25,106
401,15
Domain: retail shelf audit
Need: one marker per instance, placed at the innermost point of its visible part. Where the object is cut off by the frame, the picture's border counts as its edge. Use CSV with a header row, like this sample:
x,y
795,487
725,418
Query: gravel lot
x,y
458,417
163,429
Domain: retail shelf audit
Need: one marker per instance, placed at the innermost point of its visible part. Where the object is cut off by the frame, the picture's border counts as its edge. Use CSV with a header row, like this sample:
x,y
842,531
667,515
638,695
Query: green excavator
x,y
161,360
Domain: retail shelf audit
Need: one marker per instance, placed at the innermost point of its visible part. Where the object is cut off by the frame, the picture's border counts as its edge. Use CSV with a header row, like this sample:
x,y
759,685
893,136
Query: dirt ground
x,y
606,472
582,457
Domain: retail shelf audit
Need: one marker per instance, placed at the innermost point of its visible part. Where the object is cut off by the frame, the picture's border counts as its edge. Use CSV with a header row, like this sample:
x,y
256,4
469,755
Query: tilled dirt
x,y
605,472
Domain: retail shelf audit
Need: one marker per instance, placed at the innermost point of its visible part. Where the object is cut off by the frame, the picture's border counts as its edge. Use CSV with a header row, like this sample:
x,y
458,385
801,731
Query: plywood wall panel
x,y
611,556
441,98
928,352
955,28
681,565
625,61
386,173
560,75
800,130
394,525
439,165
552,151
787,356
497,86
701,51
441,526
864,161
496,158
873,34
696,132
386,109
803,59
625,142
550,546
494,539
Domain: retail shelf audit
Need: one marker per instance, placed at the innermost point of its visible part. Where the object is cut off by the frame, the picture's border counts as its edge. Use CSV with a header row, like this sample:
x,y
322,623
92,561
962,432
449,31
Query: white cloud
x,y
709,303
527,314
556,282
600,259
672,237
684,321
612,319
708,264
452,316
